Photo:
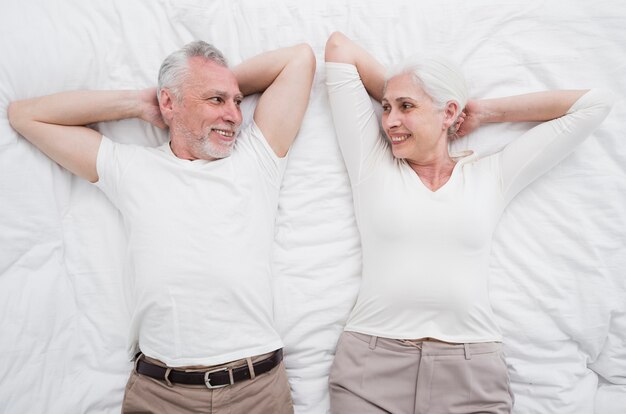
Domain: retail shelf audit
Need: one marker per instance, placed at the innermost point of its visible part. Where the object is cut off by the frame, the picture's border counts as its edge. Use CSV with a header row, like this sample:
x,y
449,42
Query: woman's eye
x,y
386,108
407,106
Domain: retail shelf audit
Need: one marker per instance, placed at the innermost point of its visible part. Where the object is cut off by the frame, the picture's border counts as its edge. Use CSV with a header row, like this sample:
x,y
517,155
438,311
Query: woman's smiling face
x,y
411,121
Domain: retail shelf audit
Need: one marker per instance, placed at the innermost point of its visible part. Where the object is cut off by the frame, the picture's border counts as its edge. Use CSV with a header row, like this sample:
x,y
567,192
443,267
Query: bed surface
x,y
557,269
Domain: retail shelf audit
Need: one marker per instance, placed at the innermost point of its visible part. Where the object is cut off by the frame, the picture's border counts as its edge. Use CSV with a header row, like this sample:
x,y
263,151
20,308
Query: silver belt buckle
x,y
207,380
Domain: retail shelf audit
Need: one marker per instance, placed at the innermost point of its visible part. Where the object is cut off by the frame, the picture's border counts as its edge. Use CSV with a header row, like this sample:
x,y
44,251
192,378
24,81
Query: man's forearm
x,y
259,72
76,108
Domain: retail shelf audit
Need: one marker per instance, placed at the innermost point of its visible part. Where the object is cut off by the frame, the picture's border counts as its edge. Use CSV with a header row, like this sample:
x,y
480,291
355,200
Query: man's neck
x,y
181,151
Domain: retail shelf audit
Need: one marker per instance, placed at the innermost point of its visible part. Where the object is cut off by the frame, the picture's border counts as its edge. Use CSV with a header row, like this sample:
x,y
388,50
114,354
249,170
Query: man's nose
x,y
232,113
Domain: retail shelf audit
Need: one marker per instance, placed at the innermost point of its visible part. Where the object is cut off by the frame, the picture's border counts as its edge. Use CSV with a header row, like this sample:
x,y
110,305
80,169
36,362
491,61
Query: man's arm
x,y
340,49
55,123
285,77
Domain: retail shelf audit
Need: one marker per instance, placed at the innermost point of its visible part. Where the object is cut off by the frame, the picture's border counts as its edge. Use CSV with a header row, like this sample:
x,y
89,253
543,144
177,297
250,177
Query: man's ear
x,y
451,110
166,104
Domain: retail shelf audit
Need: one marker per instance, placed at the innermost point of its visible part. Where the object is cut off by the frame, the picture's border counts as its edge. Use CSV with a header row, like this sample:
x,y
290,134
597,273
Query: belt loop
x,y
137,358
250,368
468,354
230,376
373,341
167,377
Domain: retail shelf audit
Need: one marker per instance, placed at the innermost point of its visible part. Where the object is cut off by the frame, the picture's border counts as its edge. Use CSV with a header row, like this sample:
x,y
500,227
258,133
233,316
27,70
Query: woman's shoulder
x,y
478,162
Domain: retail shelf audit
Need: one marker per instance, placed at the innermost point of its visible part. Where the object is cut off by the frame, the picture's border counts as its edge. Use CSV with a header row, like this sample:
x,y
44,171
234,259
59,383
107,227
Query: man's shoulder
x,y
248,132
258,156
122,156
131,147
252,140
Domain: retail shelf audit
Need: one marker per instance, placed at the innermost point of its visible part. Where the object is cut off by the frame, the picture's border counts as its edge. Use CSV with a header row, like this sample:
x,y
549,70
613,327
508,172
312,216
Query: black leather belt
x,y
213,378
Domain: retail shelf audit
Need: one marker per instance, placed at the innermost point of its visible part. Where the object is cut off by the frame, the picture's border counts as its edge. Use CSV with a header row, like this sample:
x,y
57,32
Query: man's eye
x,y
216,99
407,106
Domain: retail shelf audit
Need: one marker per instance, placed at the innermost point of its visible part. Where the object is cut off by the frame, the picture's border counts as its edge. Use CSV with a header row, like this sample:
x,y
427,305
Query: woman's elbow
x,y
336,48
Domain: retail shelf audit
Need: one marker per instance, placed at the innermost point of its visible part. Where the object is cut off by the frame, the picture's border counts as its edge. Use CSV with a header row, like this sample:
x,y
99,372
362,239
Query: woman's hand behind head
x,y
469,120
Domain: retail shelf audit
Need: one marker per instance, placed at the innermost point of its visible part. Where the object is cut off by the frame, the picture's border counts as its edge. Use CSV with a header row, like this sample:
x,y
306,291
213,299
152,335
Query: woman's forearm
x,y
531,107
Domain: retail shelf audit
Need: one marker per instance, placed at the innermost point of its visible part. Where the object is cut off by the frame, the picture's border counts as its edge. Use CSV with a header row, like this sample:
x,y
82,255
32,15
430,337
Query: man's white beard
x,y
207,148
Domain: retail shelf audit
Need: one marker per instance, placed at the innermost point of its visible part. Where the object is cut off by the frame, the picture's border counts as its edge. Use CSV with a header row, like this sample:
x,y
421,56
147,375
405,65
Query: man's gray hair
x,y
175,67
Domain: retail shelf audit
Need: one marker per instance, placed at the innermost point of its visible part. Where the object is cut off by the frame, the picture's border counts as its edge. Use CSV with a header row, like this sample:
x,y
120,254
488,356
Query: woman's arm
x,y
570,117
349,71
531,107
340,49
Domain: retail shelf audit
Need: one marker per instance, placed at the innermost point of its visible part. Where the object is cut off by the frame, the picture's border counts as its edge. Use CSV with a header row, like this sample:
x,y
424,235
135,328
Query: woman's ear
x,y
450,113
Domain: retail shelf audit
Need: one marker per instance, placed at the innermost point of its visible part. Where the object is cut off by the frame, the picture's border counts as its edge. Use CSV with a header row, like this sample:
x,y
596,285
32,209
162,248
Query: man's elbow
x,y
19,114
305,57
14,112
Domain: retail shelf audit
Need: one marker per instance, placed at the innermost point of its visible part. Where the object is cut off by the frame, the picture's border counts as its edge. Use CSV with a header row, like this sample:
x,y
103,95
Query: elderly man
x,y
199,214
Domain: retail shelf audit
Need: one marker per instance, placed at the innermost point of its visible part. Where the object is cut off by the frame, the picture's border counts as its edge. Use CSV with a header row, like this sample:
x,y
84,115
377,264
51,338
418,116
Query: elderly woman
x,y
422,337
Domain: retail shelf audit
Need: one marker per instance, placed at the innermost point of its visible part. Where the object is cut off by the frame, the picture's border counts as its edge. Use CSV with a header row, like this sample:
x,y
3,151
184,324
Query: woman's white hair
x,y
175,67
441,79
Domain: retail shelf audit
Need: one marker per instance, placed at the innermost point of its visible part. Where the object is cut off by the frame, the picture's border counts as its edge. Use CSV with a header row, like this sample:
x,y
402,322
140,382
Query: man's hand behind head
x,y
150,111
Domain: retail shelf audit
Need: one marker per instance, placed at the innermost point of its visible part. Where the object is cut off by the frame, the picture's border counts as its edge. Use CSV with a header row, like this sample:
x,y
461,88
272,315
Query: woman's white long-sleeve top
x,y
426,253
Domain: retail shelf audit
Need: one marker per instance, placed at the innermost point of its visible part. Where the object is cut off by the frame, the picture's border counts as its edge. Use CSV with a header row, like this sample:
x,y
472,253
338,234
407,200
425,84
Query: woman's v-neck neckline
x,y
448,182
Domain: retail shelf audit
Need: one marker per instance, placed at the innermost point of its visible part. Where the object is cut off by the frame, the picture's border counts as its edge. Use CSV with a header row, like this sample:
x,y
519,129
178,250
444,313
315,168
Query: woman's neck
x,y
434,171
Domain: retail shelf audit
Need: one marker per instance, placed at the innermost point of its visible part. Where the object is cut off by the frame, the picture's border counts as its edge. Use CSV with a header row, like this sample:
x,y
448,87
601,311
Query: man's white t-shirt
x,y
426,253
199,235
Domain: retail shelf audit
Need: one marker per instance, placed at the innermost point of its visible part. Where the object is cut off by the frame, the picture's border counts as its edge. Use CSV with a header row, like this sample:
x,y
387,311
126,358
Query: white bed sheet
x,y
559,255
